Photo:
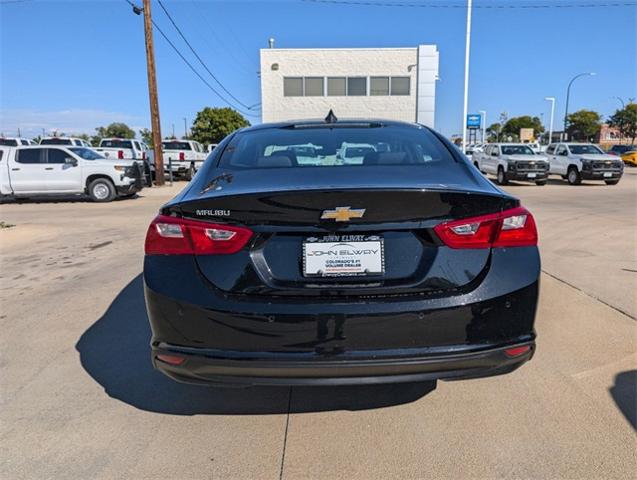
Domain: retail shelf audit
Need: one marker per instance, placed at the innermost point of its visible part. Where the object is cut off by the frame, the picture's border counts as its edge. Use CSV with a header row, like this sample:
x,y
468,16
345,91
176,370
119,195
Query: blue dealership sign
x,y
474,120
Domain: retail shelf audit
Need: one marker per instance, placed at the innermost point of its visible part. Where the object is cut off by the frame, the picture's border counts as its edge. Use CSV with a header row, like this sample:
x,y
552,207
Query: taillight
x,y
178,236
512,228
182,156
120,154
143,155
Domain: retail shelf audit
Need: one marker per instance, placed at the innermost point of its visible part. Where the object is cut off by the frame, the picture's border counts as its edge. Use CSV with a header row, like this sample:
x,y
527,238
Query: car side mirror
x,y
70,161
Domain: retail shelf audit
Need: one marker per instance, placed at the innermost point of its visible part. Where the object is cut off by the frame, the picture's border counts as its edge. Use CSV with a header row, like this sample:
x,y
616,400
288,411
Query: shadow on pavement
x,y
61,199
115,352
624,392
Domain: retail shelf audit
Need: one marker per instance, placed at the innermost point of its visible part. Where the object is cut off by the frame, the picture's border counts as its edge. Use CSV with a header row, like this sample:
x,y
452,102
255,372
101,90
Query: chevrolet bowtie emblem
x,y
343,214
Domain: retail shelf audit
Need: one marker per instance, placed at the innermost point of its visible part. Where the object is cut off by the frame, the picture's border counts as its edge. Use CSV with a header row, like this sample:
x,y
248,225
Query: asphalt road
x,y
79,398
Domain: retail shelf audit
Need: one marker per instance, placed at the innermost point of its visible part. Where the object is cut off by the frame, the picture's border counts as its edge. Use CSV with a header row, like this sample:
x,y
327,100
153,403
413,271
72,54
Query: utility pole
x,y
483,119
466,77
568,95
185,128
152,94
174,130
552,100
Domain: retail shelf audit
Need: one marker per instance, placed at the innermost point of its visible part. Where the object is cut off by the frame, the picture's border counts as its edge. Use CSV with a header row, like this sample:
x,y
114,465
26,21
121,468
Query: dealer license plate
x,y
608,174
344,255
532,175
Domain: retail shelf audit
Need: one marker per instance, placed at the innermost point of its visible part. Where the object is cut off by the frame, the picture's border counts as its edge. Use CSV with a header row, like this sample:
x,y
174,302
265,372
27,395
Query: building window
x,y
293,87
379,86
313,86
336,86
400,85
356,86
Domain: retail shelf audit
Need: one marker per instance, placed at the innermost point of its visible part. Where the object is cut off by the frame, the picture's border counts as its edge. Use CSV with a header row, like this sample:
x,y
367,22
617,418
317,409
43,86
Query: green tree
x,y
493,132
213,124
116,129
147,137
512,126
583,124
625,120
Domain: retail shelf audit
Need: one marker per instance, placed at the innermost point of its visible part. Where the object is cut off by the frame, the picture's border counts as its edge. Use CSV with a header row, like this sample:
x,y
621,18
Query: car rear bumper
x,y
206,366
264,339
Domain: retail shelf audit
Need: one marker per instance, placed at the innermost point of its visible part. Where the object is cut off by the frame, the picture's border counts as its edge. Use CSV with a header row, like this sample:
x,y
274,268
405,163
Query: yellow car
x,y
628,153
630,158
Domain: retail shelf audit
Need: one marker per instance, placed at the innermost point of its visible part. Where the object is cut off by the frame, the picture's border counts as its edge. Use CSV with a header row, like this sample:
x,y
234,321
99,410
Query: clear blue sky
x,y
81,64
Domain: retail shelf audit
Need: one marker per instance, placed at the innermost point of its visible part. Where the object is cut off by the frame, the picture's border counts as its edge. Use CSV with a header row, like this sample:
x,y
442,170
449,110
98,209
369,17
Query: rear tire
x,y
573,176
501,178
102,190
540,183
190,173
611,182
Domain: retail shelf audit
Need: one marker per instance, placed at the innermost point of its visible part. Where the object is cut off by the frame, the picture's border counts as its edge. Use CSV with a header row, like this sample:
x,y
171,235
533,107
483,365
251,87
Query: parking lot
x,y
81,400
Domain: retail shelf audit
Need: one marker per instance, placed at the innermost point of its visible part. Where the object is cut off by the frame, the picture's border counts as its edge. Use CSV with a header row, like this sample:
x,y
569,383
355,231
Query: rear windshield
x,y
516,150
334,147
8,142
56,141
622,148
116,144
176,145
584,149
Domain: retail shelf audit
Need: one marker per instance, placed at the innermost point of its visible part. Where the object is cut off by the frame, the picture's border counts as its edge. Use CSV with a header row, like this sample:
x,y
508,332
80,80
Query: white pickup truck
x,y
35,171
70,141
15,141
584,161
122,148
128,149
183,157
512,161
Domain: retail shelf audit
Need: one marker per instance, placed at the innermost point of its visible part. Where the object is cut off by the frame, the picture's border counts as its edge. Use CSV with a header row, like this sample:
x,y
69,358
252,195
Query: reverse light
x,y
511,228
179,236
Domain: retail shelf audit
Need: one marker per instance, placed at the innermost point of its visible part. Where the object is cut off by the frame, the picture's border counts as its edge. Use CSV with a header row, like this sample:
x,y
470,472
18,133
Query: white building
x,y
390,83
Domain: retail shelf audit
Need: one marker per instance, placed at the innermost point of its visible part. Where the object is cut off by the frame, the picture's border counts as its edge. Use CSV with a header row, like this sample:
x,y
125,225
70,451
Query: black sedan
x,y
286,262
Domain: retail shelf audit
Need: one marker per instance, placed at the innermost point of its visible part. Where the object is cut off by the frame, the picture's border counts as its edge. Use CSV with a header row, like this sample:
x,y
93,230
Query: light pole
x,y
552,100
466,78
568,93
483,118
185,128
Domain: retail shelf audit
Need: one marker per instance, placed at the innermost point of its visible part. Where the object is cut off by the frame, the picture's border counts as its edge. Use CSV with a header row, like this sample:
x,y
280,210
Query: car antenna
x,y
331,118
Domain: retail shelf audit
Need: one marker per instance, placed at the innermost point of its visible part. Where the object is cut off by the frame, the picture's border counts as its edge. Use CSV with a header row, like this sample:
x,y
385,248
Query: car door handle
x,y
15,169
49,168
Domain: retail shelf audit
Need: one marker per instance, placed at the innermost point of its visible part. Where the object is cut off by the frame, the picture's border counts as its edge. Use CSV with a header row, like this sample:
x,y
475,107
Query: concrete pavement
x,y
80,399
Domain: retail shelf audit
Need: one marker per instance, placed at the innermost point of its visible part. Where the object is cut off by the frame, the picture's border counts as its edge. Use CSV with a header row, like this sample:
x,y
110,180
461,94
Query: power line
x,y
199,58
197,73
161,32
494,6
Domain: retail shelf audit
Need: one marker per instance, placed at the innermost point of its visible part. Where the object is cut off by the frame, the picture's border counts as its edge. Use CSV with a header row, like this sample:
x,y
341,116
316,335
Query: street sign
x,y
474,120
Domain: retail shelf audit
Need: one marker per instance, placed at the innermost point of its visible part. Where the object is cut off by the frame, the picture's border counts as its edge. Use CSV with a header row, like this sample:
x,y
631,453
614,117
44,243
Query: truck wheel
x,y
476,165
540,183
502,179
611,182
189,173
101,190
573,176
